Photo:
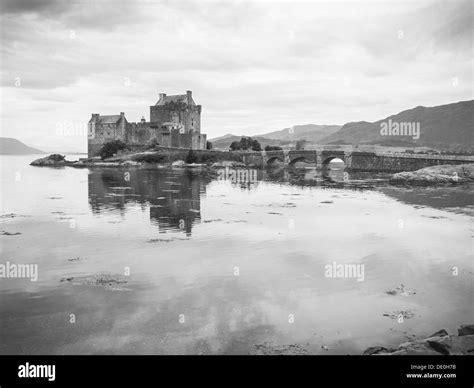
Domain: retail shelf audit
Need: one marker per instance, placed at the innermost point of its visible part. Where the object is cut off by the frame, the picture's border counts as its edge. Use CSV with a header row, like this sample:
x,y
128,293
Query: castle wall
x,y
143,134
93,149
160,114
199,141
99,134
189,116
192,120
137,134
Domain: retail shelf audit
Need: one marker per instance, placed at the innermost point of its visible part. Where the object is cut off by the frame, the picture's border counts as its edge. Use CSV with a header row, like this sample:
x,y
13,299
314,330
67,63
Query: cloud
x,y
254,66
19,7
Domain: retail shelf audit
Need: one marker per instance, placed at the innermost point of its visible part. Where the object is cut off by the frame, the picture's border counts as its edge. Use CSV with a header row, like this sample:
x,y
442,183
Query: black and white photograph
x,y
251,180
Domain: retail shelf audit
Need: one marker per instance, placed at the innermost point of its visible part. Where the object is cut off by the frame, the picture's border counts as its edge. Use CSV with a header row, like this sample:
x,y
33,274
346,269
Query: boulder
x,y
466,330
452,344
439,333
413,348
376,350
439,343
108,281
434,175
105,164
54,160
130,163
178,163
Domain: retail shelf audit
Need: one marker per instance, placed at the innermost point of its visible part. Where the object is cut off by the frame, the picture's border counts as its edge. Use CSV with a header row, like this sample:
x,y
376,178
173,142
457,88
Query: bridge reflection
x,y
173,196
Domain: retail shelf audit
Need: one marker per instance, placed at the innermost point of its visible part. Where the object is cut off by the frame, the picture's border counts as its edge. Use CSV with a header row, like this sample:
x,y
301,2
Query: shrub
x,y
151,158
207,158
153,143
273,148
56,157
235,146
111,148
202,157
246,143
300,144
256,146
208,145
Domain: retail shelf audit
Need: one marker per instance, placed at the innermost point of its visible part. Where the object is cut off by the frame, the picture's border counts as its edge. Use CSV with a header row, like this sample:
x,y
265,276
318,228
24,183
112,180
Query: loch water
x,y
228,262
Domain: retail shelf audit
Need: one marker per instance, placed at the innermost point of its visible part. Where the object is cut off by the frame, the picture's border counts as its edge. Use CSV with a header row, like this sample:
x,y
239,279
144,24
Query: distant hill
x,y
69,151
443,126
10,146
217,139
310,132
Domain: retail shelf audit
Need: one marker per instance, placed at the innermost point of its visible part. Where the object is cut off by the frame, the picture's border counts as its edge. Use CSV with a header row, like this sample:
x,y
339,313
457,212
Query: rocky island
x,y
435,175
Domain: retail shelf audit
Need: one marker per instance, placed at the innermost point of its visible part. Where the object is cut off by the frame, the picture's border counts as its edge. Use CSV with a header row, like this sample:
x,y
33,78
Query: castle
x,y
175,121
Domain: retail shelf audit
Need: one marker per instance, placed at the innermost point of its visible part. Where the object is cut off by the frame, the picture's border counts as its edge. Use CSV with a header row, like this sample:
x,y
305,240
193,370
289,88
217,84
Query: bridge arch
x,y
300,159
272,159
328,159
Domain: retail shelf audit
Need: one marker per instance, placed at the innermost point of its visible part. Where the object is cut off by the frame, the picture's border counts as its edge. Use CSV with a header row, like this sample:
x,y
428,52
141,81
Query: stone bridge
x,y
354,160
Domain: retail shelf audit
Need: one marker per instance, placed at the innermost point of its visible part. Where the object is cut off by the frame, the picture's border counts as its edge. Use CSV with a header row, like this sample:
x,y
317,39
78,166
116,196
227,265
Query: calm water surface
x,y
219,266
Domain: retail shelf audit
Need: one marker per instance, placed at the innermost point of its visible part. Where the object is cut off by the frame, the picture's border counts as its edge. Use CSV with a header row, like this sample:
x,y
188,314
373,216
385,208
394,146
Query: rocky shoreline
x,y
56,160
439,343
429,176
435,175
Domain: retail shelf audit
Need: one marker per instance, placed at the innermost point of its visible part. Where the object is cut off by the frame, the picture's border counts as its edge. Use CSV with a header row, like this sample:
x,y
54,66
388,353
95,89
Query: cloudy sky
x,y
255,66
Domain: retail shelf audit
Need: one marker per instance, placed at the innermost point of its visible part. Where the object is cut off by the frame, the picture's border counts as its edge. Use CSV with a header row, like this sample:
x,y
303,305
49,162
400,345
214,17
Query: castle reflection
x,y
172,196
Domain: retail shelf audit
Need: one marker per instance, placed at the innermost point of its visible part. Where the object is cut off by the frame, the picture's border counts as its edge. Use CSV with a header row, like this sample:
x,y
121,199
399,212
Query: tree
x,y
110,148
300,144
246,143
235,146
208,145
273,148
256,146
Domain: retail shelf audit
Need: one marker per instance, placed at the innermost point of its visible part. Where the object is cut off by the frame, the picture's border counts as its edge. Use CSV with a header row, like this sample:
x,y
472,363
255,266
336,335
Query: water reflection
x,y
279,228
172,196
336,178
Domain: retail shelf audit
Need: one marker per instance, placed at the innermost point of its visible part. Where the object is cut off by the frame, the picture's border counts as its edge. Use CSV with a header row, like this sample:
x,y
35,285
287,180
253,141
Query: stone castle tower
x,y
178,109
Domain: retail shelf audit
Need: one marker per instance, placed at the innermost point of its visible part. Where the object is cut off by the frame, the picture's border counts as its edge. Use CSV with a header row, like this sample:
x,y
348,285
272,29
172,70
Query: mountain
x,y
68,151
10,146
310,132
229,135
443,126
